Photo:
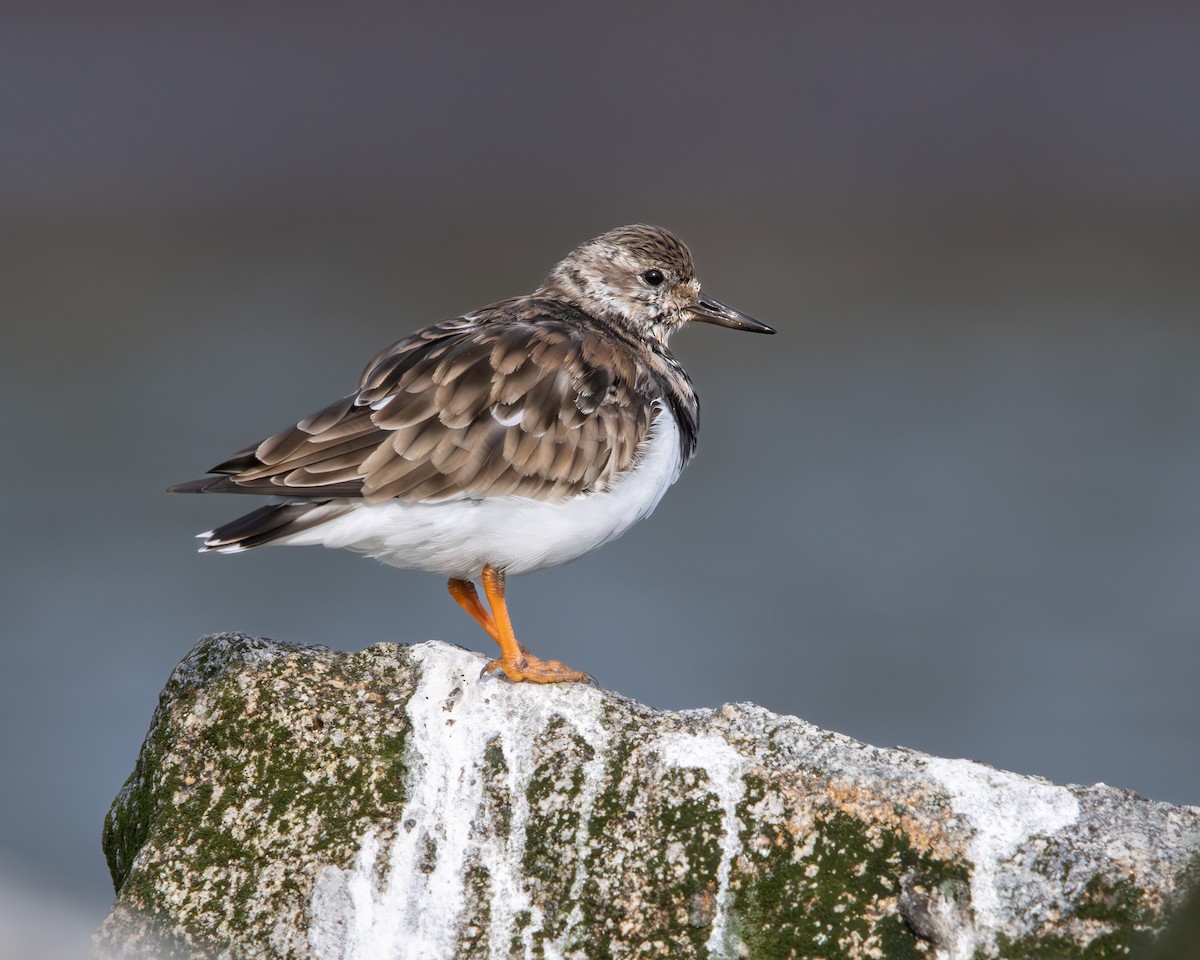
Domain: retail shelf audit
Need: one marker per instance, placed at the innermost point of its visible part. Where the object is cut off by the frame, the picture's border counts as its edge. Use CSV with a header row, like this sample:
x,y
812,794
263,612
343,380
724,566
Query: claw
x,y
531,669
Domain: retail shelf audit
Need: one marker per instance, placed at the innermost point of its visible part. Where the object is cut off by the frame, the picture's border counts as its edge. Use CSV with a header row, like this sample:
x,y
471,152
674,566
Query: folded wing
x,y
514,401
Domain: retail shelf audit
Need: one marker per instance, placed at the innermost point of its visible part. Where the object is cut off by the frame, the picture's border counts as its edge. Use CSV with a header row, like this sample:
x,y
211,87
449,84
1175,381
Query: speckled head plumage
x,y
640,277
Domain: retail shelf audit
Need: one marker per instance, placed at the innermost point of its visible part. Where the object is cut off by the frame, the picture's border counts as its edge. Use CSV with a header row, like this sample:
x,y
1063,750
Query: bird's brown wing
x,y
518,400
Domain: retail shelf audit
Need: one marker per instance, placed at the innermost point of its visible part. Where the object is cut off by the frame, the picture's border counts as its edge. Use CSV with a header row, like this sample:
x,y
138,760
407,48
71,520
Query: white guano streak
x,y
724,766
1003,810
385,906
401,913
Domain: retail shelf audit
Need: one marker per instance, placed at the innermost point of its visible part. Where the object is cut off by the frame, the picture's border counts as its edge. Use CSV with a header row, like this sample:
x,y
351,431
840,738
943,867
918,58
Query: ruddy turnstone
x,y
508,440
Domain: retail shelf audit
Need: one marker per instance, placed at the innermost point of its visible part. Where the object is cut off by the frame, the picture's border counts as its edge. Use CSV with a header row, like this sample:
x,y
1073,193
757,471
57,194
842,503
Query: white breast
x,y
457,537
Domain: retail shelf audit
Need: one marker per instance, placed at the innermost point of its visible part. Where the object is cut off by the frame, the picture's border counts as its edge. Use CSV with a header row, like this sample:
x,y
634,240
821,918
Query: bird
x,y
501,442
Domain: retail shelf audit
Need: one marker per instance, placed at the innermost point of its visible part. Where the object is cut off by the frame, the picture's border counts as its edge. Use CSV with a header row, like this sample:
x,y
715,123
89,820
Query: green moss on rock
x,y
554,823
227,775
1113,908
829,890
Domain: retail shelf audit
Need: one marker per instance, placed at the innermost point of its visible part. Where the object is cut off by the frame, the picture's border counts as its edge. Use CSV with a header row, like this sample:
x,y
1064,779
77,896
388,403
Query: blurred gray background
x,y
954,504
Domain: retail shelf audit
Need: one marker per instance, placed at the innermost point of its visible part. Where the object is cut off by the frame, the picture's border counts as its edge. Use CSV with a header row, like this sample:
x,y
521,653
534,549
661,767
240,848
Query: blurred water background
x,y
954,504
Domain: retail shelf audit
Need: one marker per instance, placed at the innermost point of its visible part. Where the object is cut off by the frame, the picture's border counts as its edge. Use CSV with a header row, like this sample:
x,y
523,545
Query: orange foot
x,y
517,663
529,667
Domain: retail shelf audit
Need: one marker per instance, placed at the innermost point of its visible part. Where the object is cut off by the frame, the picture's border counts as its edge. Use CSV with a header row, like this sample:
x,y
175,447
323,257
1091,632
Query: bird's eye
x,y
653,277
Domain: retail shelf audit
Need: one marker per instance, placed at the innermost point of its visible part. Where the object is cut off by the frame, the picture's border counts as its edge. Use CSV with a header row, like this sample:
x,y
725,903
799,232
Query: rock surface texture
x,y
300,802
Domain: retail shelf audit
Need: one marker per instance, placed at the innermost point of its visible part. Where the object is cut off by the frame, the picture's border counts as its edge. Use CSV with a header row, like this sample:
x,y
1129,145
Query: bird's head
x,y
640,277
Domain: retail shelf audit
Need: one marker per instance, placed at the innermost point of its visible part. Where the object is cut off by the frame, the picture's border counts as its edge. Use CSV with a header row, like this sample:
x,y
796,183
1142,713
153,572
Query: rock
x,y
299,802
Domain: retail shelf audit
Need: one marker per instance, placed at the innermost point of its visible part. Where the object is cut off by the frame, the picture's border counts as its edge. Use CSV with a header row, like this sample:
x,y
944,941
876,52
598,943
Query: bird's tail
x,y
271,523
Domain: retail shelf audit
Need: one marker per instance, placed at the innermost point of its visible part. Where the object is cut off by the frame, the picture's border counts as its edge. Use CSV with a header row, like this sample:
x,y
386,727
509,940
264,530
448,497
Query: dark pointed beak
x,y
711,310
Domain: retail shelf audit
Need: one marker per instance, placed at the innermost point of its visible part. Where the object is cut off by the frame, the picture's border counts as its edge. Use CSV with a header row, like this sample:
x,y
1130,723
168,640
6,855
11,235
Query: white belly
x,y
458,537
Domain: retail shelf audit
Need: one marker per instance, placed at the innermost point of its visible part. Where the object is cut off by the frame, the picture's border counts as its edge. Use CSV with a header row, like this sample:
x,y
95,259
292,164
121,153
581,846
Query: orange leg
x,y
463,592
514,660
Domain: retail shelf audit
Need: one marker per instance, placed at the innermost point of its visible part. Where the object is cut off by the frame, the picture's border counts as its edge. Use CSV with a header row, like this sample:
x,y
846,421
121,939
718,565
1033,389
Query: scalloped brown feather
x,y
436,415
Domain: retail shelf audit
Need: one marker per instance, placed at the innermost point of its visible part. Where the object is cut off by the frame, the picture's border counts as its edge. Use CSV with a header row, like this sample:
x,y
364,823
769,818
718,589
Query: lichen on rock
x,y
299,802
